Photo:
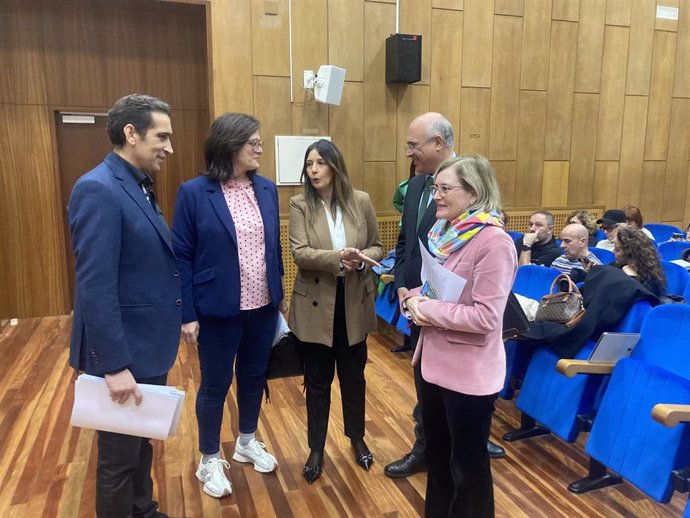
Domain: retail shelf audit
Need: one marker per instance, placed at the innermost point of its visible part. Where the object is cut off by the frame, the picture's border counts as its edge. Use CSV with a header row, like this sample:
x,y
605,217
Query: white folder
x,y
156,417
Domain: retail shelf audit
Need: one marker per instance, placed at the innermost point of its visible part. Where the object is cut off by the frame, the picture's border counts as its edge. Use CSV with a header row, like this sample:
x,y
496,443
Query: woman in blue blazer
x,y
226,236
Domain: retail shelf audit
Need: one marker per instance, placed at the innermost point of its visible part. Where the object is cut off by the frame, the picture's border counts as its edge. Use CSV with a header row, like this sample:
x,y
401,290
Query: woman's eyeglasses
x,y
443,190
256,143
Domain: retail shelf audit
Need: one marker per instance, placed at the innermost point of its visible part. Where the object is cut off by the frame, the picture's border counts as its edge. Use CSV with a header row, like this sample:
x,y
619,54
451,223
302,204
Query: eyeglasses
x,y
256,143
443,190
412,147
606,228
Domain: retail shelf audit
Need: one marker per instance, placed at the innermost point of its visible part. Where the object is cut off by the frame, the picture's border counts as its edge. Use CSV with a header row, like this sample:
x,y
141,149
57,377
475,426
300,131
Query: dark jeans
x,y
320,362
123,475
244,340
459,483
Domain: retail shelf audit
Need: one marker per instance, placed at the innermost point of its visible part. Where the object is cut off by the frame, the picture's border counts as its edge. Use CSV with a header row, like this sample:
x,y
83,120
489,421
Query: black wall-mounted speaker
x,y
403,58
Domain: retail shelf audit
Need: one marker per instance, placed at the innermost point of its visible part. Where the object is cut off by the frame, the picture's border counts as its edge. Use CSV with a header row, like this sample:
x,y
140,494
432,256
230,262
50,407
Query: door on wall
x,y
82,142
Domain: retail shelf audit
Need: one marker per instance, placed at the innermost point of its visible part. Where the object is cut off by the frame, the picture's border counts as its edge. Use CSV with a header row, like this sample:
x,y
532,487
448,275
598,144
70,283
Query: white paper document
x,y
156,417
440,283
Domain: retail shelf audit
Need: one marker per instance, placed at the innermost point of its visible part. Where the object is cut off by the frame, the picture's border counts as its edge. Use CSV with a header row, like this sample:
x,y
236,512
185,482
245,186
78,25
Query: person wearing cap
x,y
607,224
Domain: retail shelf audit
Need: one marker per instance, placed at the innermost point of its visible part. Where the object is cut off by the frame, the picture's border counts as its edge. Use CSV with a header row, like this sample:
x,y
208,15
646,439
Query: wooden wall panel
x,y
76,49
505,93
583,150
413,100
509,7
566,10
475,108
309,42
232,63
477,38
612,102
346,123
659,117
456,5
380,99
561,83
34,282
415,18
590,44
681,85
618,12
23,77
446,64
676,177
641,42
606,184
380,182
632,151
662,24
346,37
505,174
554,192
270,38
651,195
530,160
536,35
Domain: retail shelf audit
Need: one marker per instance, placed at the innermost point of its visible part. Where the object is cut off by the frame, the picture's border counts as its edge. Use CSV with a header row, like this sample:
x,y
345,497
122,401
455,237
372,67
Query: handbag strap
x,y
572,287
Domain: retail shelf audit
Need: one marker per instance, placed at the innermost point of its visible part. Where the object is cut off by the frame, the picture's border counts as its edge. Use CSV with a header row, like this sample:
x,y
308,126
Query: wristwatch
x,y
526,248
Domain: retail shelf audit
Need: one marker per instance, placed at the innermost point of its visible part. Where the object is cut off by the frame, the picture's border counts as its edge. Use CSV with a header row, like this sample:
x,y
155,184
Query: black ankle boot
x,y
312,469
363,456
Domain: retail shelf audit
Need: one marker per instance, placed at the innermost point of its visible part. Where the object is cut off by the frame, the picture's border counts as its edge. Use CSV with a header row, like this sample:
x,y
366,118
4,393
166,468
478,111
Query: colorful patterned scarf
x,y
447,237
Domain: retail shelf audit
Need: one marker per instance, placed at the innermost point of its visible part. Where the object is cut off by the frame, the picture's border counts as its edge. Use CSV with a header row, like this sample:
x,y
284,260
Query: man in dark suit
x,y
430,142
127,312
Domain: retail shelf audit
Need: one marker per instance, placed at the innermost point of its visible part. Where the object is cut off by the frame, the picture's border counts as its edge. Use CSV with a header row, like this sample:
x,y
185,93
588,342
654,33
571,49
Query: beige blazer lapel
x,y
321,232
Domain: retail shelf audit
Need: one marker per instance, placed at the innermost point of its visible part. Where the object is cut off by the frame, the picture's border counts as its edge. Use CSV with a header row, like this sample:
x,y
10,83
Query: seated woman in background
x,y
634,219
334,240
587,220
461,348
637,256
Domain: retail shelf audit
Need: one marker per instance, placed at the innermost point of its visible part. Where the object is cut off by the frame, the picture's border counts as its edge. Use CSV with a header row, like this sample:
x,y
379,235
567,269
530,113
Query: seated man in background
x,y
576,256
538,246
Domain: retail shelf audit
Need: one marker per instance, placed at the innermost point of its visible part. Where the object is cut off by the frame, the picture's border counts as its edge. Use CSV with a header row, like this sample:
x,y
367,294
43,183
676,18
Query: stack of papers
x,y
156,417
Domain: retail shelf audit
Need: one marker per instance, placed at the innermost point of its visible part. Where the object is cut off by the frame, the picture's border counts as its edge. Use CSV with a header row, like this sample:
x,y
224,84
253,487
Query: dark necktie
x,y
426,194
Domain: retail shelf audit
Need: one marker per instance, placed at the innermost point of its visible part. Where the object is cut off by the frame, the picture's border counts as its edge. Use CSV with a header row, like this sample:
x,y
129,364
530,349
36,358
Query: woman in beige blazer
x,y
334,240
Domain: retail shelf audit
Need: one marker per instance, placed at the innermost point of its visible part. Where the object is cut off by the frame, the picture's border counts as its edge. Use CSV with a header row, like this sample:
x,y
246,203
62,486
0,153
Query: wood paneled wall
x,y
83,54
576,102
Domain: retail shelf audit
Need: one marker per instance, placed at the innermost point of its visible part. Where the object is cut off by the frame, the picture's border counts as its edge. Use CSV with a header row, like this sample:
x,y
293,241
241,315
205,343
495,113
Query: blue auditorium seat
x,y
533,282
677,278
514,235
661,231
672,249
624,438
387,308
605,256
556,401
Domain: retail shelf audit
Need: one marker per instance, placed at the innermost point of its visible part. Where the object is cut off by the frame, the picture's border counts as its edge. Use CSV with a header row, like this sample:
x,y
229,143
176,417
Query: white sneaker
x,y
211,474
256,453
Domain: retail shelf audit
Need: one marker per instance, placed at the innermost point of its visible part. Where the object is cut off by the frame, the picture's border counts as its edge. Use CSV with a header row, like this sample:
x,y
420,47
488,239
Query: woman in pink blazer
x,y
460,348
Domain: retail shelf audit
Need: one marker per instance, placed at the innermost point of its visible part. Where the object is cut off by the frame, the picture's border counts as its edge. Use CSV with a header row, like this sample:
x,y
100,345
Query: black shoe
x,y
363,456
408,465
401,348
495,451
312,469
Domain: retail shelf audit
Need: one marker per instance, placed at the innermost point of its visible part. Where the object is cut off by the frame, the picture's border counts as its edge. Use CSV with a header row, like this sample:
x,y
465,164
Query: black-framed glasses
x,y
256,143
443,189
606,228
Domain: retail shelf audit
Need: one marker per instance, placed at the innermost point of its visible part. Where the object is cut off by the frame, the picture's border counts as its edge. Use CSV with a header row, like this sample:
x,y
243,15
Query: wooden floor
x,y
47,467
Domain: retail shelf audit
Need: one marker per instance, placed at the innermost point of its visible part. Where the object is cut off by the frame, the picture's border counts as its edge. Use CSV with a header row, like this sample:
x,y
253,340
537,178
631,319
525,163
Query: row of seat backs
x,y
624,437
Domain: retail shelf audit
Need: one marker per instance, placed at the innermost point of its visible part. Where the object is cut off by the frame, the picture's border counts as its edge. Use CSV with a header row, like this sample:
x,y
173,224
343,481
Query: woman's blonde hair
x,y
476,175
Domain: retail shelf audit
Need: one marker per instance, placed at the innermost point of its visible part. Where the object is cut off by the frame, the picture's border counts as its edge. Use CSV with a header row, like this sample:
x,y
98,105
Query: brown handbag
x,y
563,307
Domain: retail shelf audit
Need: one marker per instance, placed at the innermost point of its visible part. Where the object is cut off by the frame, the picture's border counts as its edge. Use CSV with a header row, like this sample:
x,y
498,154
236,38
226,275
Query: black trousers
x,y
459,483
123,475
419,446
320,362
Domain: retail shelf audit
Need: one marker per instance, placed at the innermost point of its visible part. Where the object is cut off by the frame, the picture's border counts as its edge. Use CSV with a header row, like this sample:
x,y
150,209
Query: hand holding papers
x,y
156,417
439,283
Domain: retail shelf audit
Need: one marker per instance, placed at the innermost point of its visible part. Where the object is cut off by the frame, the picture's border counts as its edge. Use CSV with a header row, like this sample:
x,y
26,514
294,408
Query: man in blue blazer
x,y
127,312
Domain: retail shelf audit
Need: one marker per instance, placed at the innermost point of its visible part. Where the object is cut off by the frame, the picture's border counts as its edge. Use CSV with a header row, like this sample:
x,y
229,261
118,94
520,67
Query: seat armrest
x,y
570,368
671,415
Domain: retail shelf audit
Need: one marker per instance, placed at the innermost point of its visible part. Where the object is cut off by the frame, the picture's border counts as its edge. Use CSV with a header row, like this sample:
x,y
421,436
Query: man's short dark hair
x,y
134,109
